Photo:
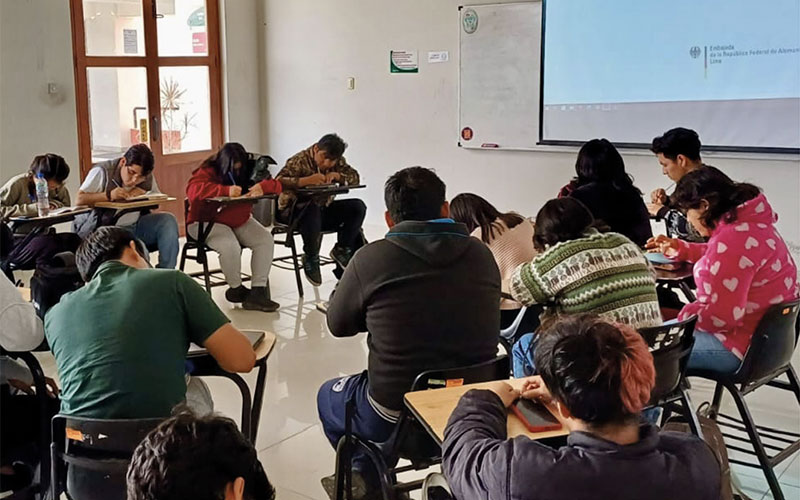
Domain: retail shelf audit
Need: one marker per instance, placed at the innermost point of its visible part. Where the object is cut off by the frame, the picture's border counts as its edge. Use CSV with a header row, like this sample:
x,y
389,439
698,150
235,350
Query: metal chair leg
x,y
755,440
295,261
691,416
201,254
713,411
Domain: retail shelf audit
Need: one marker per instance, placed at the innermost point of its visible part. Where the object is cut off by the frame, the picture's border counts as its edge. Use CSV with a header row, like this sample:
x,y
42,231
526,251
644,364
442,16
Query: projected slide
x,y
630,69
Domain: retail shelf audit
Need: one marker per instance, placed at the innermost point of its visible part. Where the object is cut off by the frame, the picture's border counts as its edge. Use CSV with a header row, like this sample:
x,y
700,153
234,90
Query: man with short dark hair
x,y
117,180
429,297
678,153
322,163
120,342
207,458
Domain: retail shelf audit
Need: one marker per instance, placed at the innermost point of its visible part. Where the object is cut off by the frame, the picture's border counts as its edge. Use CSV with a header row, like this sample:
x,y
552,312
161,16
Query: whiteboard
x,y
499,60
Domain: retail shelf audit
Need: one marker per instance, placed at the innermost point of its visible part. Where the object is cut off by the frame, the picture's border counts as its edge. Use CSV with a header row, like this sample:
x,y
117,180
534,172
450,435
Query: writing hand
x,y
234,191
659,196
255,191
534,388
118,194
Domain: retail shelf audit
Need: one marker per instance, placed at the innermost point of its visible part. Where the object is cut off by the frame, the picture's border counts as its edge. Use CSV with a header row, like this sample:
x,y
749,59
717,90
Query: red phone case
x,y
534,428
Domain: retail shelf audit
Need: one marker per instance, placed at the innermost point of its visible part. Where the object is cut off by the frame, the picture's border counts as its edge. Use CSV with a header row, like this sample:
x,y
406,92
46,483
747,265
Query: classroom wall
x,y
36,49
393,121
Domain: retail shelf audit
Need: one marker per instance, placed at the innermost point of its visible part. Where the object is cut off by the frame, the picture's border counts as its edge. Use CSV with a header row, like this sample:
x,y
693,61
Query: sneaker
x,y
341,255
259,300
236,295
359,488
311,269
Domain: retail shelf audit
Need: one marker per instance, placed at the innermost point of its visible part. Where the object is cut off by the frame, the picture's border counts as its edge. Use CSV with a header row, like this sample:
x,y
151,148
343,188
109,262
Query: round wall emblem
x,y
470,21
466,133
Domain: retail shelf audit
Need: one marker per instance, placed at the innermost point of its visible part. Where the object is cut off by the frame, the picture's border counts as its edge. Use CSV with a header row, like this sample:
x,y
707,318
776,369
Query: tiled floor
x,y
290,443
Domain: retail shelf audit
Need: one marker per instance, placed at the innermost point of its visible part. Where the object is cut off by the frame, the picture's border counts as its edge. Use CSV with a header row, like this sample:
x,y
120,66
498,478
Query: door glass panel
x,y
113,28
117,110
182,29
185,109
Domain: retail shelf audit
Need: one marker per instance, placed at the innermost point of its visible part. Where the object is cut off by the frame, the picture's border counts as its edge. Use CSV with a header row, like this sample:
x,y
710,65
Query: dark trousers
x,y
367,424
343,216
40,249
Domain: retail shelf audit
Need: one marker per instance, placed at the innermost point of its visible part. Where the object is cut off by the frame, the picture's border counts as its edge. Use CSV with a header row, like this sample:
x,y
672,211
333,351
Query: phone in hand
x,y
535,416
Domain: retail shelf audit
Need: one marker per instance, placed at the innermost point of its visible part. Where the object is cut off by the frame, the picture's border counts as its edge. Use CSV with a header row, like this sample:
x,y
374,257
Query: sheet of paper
x,y
439,56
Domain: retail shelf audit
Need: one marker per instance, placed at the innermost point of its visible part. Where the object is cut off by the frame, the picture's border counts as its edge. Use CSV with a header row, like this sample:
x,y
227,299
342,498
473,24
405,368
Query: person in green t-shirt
x,y
120,342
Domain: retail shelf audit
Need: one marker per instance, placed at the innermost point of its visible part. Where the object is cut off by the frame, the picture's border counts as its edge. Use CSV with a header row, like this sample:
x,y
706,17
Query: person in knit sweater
x,y
509,237
744,268
224,174
581,270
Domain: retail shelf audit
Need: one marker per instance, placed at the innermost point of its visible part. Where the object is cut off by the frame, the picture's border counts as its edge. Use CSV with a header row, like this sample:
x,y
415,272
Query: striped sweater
x,y
602,273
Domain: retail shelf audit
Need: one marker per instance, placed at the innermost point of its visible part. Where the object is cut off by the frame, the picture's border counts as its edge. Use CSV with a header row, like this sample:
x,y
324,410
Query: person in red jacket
x,y
224,174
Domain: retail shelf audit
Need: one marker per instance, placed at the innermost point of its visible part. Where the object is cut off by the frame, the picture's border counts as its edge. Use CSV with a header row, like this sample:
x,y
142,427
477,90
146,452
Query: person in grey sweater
x,y
598,376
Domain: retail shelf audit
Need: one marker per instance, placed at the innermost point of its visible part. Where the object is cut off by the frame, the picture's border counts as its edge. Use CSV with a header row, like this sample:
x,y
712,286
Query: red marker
x,y
489,145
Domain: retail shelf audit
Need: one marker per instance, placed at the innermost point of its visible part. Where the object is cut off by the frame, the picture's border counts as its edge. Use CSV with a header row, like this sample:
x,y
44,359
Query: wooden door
x,y
149,71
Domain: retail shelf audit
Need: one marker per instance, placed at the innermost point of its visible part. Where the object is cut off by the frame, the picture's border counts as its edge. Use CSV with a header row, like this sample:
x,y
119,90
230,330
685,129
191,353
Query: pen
x,y
230,176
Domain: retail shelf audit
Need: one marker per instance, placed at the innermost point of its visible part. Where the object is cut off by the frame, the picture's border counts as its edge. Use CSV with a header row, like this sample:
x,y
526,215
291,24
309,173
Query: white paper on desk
x,y
64,210
439,56
148,196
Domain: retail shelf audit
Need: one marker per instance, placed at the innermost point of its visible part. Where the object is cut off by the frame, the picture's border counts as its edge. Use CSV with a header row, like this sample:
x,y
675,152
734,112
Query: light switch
x,y
351,83
52,88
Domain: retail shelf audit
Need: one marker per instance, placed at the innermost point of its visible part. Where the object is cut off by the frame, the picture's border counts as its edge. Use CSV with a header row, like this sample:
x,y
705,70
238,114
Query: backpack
x,y
53,280
712,435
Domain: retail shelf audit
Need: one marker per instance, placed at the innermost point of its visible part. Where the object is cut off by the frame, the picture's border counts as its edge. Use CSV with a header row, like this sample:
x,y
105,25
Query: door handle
x,y
155,131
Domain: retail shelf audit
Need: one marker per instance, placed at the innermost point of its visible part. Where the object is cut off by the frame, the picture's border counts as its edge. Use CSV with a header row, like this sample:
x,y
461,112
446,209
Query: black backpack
x,y
51,281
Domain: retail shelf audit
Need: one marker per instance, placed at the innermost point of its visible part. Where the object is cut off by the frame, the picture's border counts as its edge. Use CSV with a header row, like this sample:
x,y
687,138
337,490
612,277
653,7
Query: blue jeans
x,y
522,355
160,231
708,353
367,424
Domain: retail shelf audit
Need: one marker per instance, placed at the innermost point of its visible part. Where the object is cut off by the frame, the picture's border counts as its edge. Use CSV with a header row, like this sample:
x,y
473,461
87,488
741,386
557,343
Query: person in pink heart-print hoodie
x,y
744,268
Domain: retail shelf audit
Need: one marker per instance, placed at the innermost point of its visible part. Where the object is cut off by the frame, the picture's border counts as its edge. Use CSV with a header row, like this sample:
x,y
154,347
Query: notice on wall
x,y
439,56
403,61
130,41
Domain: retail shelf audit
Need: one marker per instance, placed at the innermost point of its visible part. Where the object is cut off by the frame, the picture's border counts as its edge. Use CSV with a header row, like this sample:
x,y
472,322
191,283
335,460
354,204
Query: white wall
x,y
36,49
394,121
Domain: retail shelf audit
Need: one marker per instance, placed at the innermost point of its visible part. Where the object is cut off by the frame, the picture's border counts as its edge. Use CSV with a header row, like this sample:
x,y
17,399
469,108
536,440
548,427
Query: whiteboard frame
x,y
538,146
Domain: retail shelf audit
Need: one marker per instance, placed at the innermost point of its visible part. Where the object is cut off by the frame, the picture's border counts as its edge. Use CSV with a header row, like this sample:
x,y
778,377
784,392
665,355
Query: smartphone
x,y
535,416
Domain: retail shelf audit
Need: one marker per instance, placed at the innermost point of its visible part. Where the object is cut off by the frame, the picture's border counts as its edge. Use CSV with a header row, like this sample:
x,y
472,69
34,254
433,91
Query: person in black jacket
x,y
608,191
428,295
598,376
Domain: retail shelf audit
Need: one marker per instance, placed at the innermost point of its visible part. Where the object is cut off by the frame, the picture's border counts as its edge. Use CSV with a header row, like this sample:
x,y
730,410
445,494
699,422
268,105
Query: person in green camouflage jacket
x,y
322,163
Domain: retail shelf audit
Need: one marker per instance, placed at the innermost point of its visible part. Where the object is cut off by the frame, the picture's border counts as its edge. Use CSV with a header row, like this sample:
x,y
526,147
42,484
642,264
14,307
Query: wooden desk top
x,y
682,273
50,219
433,408
262,351
125,205
227,200
327,190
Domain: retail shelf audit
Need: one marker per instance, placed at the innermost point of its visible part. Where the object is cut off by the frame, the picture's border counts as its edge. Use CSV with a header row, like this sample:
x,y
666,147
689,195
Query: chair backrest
x,y
772,344
670,346
495,369
99,450
508,333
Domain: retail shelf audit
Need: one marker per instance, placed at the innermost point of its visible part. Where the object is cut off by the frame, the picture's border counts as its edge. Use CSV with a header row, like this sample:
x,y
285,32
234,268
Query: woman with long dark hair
x,y
743,269
509,237
226,174
602,184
